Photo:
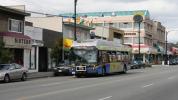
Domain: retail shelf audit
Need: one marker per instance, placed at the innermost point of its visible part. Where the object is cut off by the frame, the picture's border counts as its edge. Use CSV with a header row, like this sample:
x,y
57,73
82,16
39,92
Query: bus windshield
x,y
84,56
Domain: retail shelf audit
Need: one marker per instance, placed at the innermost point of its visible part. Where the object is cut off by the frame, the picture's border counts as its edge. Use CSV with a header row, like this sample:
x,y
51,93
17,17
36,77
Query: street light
x,y
138,19
75,24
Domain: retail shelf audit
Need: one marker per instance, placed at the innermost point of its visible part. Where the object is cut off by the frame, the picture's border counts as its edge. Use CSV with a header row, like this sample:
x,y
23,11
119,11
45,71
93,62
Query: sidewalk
x,y
160,65
40,75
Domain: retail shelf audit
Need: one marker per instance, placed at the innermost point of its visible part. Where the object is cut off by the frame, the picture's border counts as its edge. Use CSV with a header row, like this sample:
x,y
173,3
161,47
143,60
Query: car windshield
x,y
84,56
4,67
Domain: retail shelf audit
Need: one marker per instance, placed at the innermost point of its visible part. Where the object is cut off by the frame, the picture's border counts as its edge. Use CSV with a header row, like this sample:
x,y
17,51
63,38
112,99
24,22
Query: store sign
x,y
12,42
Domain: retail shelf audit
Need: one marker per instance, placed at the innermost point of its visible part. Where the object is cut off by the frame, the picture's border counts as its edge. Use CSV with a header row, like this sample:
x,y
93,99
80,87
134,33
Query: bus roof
x,y
102,45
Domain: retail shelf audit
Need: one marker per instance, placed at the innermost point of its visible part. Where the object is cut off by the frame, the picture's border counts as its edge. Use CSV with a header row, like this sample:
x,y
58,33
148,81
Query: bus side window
x,y
105,57
118,56
114,57
123,56
110,58
100,57
126,56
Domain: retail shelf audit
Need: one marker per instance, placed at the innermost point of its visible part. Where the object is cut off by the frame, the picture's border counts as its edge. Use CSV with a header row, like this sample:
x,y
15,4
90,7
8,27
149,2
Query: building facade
x,y
43,41
124,20
12,33
36,35
51,23
109,33
52,28
82,31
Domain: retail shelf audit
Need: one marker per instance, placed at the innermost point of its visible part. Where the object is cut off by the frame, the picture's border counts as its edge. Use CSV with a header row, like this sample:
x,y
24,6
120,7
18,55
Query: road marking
x,y
105,98
148,85
172,77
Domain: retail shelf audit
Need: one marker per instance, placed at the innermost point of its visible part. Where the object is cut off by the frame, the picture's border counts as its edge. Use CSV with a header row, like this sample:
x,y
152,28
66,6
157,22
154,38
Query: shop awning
x,y
14,34
144,49
16,40
160,49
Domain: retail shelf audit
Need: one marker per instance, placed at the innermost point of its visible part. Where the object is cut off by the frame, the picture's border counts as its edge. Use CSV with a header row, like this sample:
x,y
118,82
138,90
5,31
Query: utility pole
x,y
139,40
138,19
75,23
166,58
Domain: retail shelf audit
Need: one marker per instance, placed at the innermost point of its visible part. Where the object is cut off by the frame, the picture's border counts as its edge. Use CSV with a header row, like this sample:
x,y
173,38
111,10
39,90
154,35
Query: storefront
x,y
147,54
19,45
160,54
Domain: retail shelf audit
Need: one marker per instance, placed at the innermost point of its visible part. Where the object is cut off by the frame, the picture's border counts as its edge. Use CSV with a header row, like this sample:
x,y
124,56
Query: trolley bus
x,y
99,57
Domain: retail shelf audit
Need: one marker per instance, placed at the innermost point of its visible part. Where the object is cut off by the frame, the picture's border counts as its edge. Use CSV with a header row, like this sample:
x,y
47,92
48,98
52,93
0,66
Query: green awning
x,y
159,48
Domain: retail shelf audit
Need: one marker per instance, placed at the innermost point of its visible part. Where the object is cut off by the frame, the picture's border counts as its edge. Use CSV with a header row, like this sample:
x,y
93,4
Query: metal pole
x,y
138,19
75,25
166,58
139,40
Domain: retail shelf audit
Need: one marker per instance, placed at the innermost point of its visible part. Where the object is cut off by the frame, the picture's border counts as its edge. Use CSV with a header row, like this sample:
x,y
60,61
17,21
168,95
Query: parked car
x,y
12,71
63,69
173,62
137,64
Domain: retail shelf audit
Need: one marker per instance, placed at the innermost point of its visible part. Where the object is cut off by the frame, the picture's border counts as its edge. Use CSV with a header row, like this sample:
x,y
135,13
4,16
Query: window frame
x,y
21,25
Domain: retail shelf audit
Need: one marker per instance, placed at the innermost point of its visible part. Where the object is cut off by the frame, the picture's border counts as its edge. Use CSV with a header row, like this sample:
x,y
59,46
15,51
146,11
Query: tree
x,y
5,54
56,53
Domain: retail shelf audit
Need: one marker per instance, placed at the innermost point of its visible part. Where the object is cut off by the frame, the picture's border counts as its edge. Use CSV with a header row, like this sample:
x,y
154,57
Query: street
x,y
156,83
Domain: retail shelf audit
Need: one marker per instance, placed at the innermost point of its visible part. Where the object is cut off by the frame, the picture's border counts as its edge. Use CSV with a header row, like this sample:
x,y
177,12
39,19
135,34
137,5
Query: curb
x,y
40,75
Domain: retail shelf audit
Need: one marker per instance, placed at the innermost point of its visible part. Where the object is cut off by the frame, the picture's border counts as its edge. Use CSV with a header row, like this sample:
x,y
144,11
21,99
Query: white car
x,y
12,71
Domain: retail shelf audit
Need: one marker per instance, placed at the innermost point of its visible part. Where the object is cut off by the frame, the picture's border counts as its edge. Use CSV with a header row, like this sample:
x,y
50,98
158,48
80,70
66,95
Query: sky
x,y
164,11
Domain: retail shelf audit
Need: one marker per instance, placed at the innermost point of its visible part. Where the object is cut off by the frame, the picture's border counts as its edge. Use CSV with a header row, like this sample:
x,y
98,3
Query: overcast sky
x,y
164,11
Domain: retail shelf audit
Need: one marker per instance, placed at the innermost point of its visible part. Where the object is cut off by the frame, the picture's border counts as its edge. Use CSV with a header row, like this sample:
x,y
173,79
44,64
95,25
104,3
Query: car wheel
x,y
24,77
6,79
